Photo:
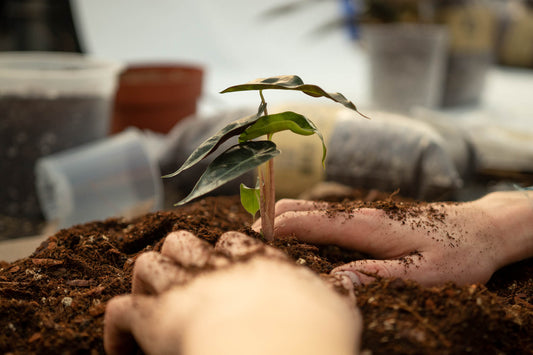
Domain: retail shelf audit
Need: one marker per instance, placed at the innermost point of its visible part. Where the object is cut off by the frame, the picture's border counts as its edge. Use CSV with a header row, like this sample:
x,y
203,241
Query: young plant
x,y
250,153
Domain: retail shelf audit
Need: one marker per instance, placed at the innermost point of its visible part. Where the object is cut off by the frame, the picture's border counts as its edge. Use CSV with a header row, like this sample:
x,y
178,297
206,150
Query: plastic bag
x,y
391,152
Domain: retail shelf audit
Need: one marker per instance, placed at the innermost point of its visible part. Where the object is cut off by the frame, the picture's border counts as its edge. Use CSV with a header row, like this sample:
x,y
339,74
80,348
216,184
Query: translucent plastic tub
x,y
116,176
407,64
48,102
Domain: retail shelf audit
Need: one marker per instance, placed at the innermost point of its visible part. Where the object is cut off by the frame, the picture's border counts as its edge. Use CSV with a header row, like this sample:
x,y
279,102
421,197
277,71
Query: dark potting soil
x,y
33,127
53,302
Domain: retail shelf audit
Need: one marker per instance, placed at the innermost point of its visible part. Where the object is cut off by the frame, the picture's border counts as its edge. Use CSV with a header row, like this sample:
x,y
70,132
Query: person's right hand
x,y
430,243
240,297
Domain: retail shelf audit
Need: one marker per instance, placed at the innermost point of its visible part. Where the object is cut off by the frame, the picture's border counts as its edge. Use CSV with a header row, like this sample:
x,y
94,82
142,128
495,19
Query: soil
x,y
34,126
53,302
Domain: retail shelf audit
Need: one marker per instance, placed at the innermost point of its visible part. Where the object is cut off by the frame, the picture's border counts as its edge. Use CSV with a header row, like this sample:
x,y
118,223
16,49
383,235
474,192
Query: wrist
x,y
510,219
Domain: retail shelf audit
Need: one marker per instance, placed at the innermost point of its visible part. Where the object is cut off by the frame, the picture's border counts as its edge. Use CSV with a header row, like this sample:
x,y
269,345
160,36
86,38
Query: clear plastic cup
x,y
49,102
117,176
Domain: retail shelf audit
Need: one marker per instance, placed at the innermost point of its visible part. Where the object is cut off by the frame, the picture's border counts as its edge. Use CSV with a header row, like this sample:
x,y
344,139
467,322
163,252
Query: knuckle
x,y
145,260
372,268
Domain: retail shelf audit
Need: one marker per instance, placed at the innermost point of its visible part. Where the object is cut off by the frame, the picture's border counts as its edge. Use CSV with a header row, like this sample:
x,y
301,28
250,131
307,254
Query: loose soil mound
x,y
53,302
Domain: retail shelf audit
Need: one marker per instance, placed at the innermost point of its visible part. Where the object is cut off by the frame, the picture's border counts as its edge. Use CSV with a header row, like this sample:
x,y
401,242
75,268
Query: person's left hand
x,y
240,297
432,243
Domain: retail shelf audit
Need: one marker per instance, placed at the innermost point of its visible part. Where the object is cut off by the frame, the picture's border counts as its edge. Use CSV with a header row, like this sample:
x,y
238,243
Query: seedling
x,y
250,153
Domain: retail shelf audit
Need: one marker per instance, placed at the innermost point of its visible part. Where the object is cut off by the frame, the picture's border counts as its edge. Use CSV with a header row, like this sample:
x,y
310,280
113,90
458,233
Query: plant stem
x,y
268,199
267,191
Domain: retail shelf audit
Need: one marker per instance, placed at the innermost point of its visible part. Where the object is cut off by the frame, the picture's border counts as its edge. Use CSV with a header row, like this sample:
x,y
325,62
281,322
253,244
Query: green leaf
x,y
231,164
278,122
292,82
283,121
211,144
250,197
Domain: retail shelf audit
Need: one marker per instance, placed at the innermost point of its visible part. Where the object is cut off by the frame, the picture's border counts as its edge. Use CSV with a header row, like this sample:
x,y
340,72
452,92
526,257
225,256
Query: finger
x,y
121,316
286,205
366,230
154,273
186,249
236,245
413,268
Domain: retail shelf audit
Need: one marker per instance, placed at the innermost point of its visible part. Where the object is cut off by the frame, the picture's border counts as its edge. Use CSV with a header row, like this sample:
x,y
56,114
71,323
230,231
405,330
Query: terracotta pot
x,y
156,97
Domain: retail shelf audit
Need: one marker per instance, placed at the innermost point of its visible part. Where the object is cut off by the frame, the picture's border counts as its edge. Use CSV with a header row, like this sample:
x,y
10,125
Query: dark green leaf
x,y
231,164
250,198
280,122
292,82
210,145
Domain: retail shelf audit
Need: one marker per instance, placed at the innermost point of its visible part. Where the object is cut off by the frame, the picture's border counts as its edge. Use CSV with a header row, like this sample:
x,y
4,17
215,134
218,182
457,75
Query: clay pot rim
x,y
161,82
148,73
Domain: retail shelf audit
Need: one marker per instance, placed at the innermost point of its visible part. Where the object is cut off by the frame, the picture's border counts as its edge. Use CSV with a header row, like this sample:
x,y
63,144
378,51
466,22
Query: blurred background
x,y
447,84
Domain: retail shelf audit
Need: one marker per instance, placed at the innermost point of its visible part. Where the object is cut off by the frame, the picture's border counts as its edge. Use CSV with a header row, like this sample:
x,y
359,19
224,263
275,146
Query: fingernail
x,y
351,275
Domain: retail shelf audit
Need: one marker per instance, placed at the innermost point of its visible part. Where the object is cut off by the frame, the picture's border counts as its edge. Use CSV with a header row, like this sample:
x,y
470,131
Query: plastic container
x,y
48,102
473,29
117,176
408,64
156,97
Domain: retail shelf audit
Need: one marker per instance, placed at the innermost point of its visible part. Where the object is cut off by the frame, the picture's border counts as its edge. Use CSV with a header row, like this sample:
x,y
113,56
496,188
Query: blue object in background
x,y
350,11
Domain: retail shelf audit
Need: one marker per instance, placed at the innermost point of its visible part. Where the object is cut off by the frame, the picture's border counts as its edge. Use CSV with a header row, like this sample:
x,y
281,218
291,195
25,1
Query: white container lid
x,y
52,74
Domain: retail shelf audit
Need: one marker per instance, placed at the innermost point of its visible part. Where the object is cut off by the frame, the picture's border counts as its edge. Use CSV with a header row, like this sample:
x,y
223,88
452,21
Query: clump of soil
x,y
53,302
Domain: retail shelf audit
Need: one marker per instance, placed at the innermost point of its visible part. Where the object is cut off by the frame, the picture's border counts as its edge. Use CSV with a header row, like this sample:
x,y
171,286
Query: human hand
x,y
240,297
429,243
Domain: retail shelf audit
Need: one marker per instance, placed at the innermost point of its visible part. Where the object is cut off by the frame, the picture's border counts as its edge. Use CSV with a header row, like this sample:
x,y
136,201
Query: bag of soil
x,y
387,152
391,152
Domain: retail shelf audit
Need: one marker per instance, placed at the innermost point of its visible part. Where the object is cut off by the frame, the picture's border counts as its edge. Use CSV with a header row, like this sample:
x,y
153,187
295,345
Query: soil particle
x,y
413,259
53,302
